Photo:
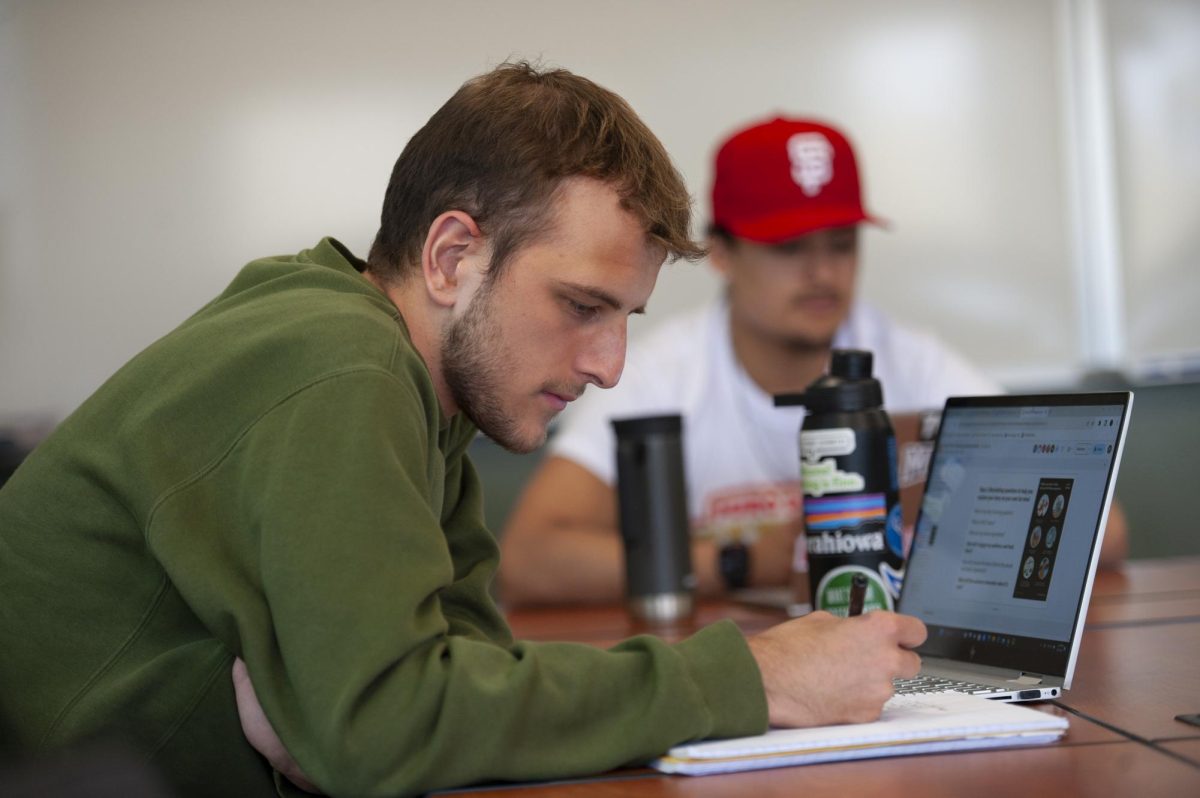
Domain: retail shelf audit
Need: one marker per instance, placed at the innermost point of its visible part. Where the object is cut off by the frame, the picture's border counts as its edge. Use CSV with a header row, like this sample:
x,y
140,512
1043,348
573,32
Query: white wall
x,y
1156,85
150,148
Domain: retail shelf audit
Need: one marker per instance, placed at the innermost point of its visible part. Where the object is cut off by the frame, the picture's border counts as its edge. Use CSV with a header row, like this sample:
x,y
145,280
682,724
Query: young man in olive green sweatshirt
x,y
282,480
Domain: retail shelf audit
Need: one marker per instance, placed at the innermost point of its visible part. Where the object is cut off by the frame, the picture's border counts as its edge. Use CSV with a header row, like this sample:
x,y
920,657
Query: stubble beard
x,y
789,342
806,345
476,368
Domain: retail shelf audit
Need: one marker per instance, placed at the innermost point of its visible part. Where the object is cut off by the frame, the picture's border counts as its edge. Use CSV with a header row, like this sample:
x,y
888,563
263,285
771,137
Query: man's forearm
x,y
578,564
568,563
575,563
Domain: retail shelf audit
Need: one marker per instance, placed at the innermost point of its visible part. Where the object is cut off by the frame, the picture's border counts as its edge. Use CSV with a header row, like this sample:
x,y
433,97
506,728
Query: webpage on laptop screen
x,y
1008,520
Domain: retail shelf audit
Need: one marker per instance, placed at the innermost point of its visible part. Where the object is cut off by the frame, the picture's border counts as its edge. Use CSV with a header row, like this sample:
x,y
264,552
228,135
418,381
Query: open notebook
x,y
910,724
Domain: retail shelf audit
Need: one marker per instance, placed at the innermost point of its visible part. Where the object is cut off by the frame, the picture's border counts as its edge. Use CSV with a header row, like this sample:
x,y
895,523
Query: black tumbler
x,y
652,500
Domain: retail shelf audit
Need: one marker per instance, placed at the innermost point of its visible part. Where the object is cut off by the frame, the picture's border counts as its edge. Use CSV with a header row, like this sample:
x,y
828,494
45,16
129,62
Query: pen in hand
x,y
858,592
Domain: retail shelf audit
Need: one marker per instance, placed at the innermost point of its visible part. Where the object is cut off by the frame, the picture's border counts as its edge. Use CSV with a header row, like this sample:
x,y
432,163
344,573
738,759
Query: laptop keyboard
x,y
935,684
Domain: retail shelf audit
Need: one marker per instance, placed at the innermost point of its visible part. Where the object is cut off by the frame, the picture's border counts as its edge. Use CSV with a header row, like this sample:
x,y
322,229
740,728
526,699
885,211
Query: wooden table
x,y
1147,591
1139,667
1138,678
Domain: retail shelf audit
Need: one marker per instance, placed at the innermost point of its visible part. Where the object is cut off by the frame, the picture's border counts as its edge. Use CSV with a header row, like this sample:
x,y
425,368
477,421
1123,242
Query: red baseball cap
x,y
779,180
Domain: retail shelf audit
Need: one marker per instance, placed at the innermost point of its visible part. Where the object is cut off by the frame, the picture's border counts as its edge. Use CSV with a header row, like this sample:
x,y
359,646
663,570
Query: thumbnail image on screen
x,y
1035,567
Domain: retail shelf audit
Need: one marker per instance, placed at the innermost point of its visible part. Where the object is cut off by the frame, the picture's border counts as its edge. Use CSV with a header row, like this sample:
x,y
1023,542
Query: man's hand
x,y
819,670
259,732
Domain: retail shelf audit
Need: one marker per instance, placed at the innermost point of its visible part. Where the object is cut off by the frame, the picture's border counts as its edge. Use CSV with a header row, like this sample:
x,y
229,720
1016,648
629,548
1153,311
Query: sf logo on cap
x,y
811,155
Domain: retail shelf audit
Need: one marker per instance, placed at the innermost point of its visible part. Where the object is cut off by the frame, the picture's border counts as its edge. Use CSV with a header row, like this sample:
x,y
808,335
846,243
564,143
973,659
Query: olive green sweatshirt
x,y
274,480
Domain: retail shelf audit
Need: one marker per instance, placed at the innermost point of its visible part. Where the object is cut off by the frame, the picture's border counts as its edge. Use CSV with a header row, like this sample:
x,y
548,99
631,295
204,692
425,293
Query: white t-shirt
x,y
741,453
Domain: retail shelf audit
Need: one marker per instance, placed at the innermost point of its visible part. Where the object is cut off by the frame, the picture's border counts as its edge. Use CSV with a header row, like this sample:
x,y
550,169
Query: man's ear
x,y
453,257
718,255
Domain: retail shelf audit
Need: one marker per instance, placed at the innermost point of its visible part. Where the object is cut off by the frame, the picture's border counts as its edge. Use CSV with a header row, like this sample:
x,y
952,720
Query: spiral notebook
x,y
910,724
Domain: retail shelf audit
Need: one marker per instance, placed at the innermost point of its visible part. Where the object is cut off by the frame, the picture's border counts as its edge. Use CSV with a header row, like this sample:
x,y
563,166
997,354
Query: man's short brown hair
x,y
501,147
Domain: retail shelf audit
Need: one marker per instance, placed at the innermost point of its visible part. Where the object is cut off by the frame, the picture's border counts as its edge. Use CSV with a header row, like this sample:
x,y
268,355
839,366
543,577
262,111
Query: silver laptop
x,y
1008,538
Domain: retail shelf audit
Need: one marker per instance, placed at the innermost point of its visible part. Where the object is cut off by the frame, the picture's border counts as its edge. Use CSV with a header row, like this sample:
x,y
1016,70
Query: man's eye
x,y
582,310
790,249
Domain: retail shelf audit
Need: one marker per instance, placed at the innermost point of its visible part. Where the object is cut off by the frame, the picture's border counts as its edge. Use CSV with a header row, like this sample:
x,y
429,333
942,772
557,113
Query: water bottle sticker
x,y
818,443
833,591
895,531
824,477
893,578
844,542
839,512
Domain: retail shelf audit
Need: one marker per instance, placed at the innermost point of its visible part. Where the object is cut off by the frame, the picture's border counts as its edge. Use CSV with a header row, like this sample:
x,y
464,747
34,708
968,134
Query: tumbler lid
x,y
648,425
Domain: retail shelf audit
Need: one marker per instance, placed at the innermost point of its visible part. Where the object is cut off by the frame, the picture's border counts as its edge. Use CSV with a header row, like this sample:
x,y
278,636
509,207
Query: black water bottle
x,y
652,502
852,517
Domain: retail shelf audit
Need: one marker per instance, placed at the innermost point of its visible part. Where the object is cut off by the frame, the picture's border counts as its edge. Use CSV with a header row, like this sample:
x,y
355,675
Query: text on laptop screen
x,y
1006,528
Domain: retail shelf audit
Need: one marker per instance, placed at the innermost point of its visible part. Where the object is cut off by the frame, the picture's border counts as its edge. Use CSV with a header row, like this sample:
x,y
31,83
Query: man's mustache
x,y
830,296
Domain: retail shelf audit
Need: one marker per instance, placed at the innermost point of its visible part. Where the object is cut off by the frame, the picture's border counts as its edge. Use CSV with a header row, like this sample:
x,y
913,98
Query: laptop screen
x,y
1002,553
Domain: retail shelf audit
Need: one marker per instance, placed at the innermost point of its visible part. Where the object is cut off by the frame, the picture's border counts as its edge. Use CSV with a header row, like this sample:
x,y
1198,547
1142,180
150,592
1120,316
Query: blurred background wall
x,y
1039,160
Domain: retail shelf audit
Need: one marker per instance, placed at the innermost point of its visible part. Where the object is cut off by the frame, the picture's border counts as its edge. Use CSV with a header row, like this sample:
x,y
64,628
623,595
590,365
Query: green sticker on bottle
x,y
833,591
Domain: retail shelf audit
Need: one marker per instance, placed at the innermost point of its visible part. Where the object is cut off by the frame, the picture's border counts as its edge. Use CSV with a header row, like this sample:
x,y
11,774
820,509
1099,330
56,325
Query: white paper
x,y
910,724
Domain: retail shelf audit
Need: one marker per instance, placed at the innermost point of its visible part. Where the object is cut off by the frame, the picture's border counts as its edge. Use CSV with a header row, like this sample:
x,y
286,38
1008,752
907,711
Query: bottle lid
x,y
848,387
648,425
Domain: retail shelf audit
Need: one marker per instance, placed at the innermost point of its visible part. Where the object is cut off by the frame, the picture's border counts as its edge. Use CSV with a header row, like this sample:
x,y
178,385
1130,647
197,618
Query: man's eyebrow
x,y
601,295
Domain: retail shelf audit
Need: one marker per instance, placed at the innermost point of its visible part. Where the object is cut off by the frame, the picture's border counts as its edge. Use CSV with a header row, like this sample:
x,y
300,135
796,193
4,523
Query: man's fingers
x,y
240,674
249,709
259,732
909,665
912,632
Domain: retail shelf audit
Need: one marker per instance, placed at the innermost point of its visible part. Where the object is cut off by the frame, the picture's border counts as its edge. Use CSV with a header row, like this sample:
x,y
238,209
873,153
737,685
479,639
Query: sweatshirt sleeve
x,y
335,556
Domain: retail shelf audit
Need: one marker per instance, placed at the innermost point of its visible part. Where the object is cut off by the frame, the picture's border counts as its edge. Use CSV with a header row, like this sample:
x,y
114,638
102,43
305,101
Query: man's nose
x,y
821,264
603,357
